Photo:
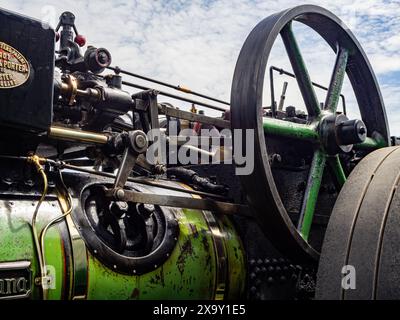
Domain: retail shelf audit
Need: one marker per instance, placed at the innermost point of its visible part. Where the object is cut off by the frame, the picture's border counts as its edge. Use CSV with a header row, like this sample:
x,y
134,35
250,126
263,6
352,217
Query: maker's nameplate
x,y
14,68
15,280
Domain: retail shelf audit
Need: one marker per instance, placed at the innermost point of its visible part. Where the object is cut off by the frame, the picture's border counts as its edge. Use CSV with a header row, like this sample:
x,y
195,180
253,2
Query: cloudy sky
x,y
196,43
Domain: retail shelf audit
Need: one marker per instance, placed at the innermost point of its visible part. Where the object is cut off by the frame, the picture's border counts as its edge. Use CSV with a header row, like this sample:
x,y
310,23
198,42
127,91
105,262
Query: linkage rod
x,y
144,182
178,88
170,95
63,165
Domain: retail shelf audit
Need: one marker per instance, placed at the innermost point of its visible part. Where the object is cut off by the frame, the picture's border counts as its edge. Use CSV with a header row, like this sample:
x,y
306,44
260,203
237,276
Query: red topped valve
x,y
80,40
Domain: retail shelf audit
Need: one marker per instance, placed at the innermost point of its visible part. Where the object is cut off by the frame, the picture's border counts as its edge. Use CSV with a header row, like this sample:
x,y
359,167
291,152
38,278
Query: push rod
x,y
117,70
170,95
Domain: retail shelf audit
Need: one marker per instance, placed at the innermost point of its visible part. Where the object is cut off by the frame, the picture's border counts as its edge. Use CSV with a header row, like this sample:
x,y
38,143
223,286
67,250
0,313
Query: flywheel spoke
x,y
337,171
300,71
336,84
298,131
311,193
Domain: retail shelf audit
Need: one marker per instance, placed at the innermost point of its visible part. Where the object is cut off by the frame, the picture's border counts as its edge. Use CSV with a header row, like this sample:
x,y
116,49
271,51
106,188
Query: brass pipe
x,y
37,162
72,91
77,135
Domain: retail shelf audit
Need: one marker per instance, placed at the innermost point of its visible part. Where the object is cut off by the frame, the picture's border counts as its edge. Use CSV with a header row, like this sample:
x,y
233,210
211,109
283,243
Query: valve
x,y
96,59
80,40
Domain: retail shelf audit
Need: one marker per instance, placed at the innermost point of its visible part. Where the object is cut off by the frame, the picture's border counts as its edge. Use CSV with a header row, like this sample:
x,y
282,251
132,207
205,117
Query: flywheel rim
x,y
246,104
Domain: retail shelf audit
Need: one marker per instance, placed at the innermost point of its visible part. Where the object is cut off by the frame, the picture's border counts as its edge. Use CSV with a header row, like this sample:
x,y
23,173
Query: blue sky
x,y
196,43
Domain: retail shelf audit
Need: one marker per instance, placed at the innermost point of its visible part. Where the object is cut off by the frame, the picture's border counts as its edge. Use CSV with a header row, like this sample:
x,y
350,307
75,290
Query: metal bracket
x,y
181,202
127,164
136,145
146,103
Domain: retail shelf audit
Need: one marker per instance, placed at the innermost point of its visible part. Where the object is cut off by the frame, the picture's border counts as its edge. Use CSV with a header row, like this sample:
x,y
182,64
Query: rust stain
x,y
194,230
206,246
186,250
162,276
236,253
135,293
158,278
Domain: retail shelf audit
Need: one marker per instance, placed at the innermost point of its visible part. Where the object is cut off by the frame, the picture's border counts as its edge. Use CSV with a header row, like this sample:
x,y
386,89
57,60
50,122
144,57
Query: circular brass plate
x,y
14,68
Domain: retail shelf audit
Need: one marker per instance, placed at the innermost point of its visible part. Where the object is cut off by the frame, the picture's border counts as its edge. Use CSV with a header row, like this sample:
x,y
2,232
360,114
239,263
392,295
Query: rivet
x,y
270,269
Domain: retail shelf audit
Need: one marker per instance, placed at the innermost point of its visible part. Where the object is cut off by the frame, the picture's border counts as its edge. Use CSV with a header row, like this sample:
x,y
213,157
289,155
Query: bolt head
x,y
120,194
140,141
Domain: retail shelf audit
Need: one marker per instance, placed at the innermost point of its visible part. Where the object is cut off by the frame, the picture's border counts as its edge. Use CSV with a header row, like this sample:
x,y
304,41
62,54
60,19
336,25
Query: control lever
x,y
135,144
283,96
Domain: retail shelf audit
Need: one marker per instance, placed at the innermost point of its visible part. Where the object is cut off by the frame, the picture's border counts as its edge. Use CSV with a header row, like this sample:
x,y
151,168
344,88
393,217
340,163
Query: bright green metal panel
x,y
188,274
236,260
17,242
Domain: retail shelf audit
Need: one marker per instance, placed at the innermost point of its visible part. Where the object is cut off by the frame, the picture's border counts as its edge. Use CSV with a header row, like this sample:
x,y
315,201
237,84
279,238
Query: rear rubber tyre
x,y
364,232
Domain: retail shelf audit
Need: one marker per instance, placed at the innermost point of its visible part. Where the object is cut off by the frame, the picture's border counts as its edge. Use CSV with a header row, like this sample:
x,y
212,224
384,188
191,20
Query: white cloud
x,y
196,43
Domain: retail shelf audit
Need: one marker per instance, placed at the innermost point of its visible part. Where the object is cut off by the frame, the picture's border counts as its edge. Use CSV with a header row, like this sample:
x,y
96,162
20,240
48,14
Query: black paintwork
x,y
29,107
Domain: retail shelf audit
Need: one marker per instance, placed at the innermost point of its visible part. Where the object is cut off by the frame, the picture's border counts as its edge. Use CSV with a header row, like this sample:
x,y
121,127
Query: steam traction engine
x,y
84,214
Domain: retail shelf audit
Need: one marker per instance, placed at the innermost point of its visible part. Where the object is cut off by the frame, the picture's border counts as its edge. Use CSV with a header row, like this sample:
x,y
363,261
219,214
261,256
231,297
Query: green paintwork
x,y
236,259
336,166
17,242
300,69
311,194
288,129
282,128
371,144
336,84
189,273
308,132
